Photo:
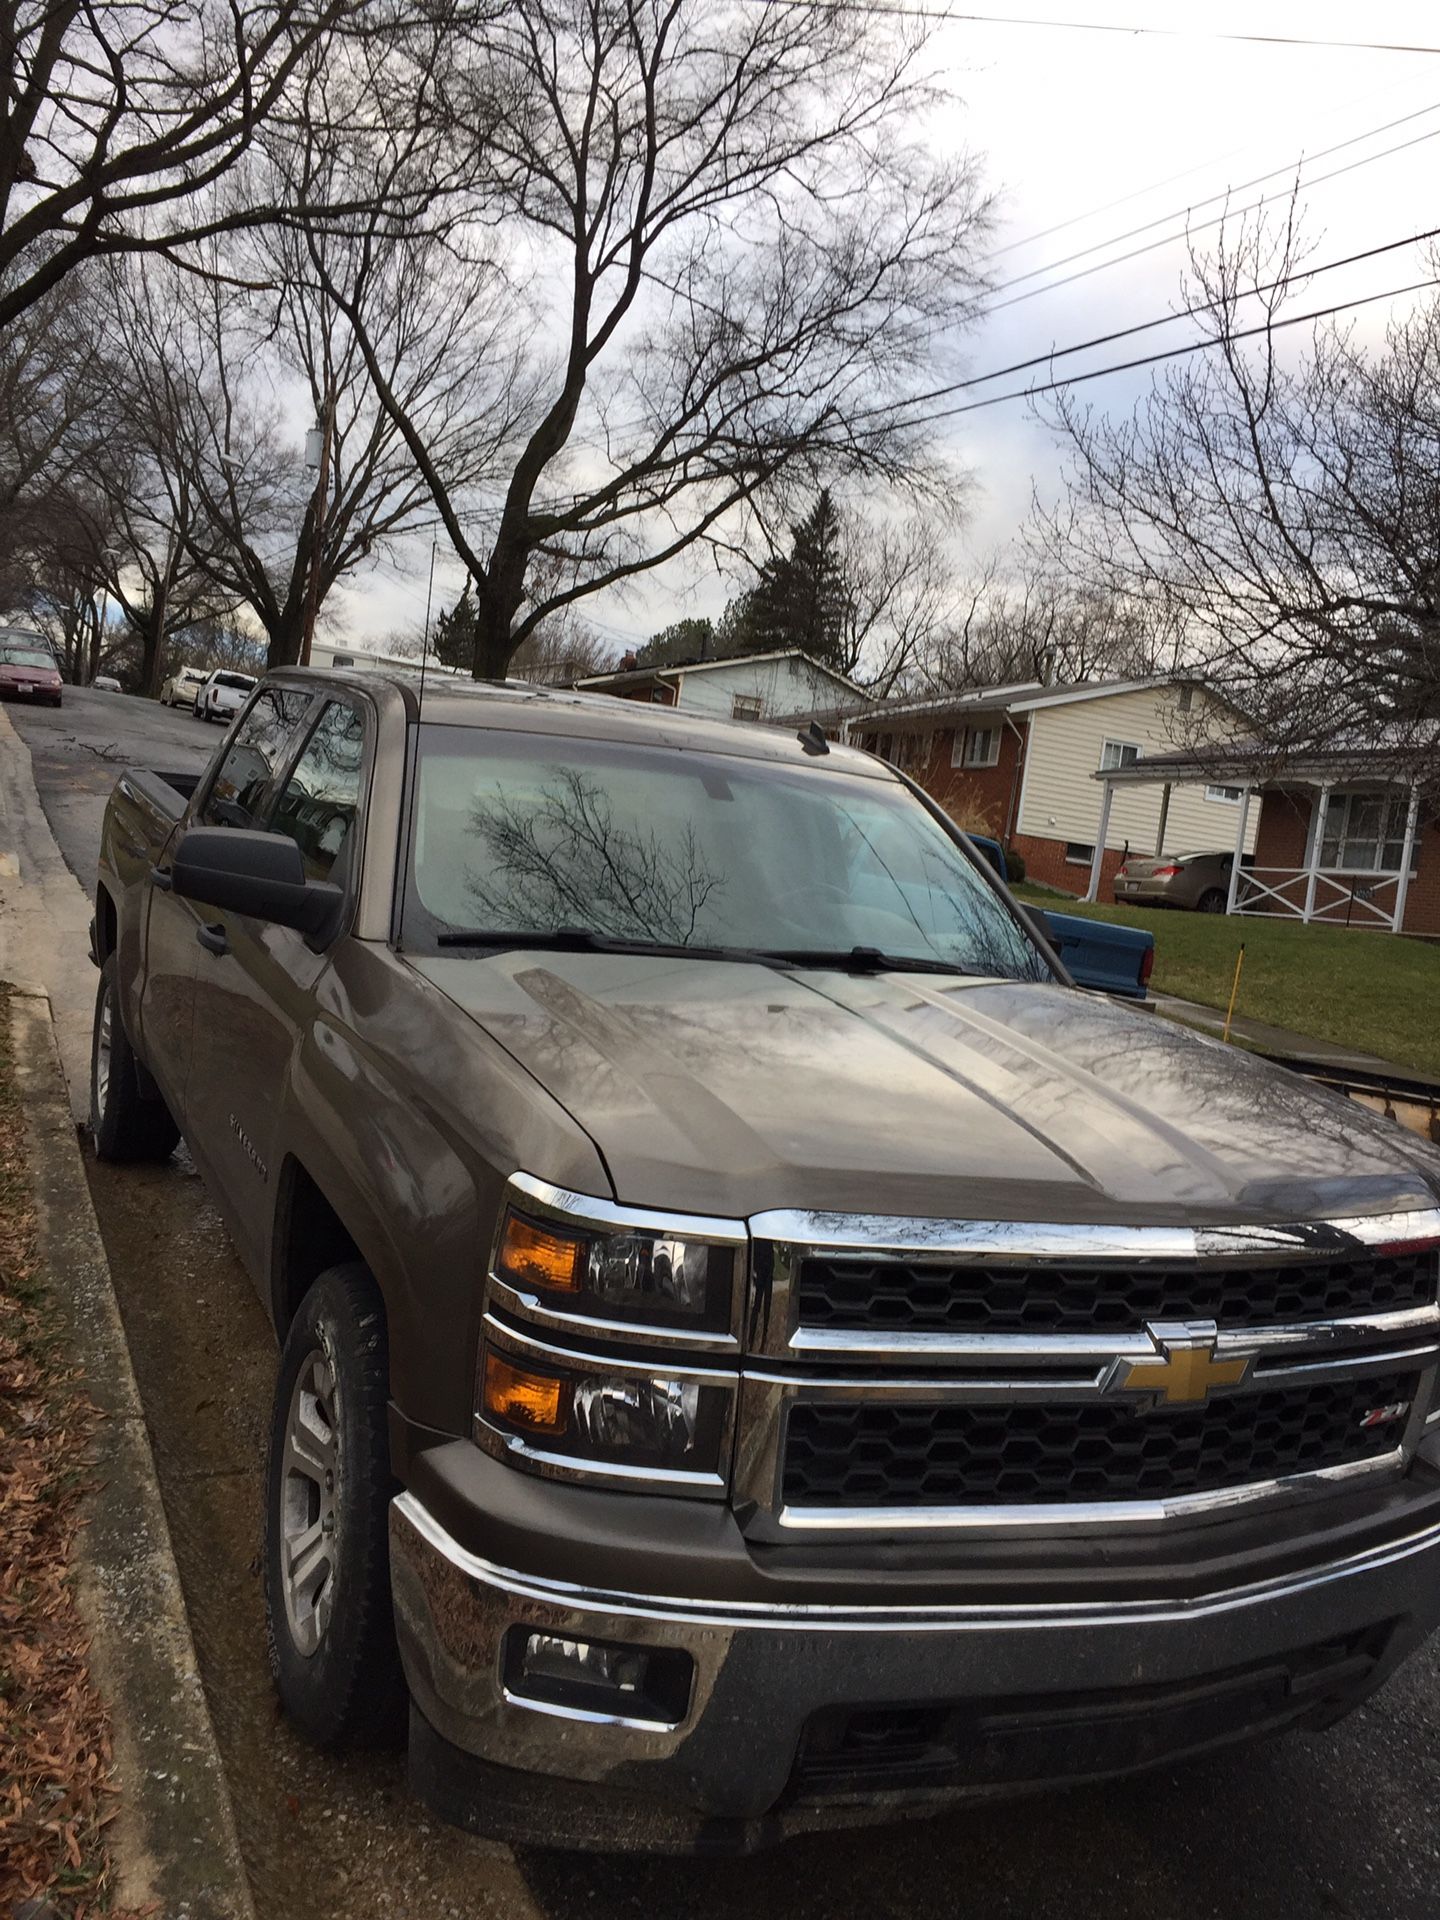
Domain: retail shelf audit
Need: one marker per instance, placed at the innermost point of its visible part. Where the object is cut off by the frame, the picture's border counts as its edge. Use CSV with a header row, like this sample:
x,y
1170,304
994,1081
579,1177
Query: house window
x,y
1078,854
1364,832
1118,753
975,747
912,752
745,706
1230,795
1187,699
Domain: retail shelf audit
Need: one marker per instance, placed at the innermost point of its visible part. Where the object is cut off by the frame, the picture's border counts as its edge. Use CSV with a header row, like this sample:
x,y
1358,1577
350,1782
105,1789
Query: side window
x,y
317,804
251,758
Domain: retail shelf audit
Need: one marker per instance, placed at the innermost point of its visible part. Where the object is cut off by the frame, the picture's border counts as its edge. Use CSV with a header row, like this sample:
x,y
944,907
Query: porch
x,y
1360,843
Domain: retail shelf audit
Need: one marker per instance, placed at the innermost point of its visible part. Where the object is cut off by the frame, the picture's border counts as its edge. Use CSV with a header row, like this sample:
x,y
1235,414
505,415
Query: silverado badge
x,y
1185,1371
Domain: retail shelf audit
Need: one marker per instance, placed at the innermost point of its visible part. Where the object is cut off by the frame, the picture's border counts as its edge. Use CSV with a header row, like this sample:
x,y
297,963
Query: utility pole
x,y
321,431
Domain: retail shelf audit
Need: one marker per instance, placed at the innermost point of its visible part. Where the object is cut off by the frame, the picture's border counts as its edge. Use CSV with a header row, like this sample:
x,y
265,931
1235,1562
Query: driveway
x,y
1343,1823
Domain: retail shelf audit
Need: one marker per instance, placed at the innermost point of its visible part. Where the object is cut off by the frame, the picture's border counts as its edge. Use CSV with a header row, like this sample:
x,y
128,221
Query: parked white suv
x,y
223,695
182,686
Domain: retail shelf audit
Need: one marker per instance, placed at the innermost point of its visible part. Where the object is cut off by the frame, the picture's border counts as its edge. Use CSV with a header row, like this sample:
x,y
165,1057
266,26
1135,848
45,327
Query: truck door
x,y
233,794
255,983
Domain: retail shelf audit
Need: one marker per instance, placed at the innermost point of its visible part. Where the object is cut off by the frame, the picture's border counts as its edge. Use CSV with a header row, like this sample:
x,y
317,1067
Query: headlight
x,y
624,1418
664,1278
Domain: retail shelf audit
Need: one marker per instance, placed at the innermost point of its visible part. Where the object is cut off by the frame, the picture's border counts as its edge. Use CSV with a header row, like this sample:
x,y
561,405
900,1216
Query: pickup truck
x,y
1105,958
758,1349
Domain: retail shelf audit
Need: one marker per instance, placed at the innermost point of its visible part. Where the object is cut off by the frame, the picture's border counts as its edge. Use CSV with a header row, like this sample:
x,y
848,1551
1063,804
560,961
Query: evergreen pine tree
x,y
454,637
800,599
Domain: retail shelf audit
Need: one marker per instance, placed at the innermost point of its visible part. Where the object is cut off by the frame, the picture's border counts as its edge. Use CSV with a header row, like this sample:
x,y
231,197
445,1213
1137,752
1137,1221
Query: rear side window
x,y
318,803
244,774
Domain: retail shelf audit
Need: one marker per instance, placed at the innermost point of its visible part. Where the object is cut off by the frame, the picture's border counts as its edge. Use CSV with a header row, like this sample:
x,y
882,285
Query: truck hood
x,y
730,1088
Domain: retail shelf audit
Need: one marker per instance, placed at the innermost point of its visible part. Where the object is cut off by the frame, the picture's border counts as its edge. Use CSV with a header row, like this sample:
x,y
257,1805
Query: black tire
x,y
1212,900
332,1650
125,1123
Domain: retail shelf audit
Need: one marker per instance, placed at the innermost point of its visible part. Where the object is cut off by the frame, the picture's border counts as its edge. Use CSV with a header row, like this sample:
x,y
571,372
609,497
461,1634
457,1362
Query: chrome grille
x,y
1000,1376
916,1455
916,1296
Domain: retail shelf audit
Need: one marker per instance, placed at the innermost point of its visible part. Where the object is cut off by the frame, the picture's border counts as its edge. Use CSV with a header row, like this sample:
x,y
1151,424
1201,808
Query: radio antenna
x,y
425,643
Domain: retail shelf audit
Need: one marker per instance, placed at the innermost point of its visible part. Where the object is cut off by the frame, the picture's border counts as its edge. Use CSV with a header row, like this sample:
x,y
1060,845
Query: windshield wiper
x,y
864,960
587,940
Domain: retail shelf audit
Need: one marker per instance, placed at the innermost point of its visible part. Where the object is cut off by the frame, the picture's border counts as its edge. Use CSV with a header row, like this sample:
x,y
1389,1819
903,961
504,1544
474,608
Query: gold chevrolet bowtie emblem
x,y
1185,1372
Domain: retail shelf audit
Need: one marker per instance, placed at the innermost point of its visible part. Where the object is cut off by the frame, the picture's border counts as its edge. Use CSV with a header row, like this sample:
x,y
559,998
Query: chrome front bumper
x,y
763,1672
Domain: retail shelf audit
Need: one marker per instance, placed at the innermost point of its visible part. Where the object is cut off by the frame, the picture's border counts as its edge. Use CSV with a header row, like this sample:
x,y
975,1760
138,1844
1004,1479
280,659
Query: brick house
x,y
1342,838
1018,763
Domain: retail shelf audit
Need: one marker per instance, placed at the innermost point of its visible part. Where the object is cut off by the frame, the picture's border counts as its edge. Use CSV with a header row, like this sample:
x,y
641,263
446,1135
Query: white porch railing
x,y
1336,898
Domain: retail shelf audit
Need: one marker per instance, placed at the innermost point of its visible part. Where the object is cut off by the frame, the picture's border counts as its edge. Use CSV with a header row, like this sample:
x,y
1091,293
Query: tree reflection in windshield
x,y
515,833
562,859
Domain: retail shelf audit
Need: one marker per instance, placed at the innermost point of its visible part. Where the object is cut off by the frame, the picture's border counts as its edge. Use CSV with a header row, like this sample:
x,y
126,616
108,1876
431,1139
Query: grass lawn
x,y
1370,991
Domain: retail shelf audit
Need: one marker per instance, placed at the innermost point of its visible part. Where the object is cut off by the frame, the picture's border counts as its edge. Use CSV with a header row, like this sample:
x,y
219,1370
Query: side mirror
x,y
261,874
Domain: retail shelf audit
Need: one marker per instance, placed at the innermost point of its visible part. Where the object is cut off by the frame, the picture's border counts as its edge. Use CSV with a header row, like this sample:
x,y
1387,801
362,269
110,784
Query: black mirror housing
x,y
241,870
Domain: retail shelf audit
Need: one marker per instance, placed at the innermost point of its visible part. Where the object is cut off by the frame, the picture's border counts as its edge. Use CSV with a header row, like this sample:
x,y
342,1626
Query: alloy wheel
x,y
308,1507
104,1038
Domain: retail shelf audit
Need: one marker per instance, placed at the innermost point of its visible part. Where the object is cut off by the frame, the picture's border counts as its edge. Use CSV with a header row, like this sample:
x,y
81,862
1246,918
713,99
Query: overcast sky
x,y
1097,134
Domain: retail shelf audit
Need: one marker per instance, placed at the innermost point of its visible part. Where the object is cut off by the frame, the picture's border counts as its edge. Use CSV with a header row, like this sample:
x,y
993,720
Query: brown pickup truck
x,y
759,1349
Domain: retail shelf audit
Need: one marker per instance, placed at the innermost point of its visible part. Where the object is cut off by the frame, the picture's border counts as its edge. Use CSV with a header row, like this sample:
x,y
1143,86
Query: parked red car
x,y
28,672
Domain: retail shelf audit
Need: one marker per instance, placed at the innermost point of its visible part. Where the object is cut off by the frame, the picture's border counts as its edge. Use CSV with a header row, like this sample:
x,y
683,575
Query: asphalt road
x,y
1342,1823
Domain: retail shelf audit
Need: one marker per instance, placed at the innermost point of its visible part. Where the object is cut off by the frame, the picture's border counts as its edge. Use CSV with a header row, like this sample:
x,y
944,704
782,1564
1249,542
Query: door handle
x,y
160,877
213,938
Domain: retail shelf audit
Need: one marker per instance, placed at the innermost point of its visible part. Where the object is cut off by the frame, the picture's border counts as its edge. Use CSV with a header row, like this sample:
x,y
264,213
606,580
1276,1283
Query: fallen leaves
x,y
56,1794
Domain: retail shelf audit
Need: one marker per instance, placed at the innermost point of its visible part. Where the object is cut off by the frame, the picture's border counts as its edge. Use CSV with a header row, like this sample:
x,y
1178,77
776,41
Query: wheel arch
x,y
310,1235
107,923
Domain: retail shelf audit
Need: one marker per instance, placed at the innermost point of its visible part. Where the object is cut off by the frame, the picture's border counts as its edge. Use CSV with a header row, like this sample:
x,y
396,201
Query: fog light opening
x,y
597,1677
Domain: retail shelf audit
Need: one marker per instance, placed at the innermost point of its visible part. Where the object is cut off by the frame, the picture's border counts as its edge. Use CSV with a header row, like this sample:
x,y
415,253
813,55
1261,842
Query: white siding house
x,y
1073,736
1018,762
755,686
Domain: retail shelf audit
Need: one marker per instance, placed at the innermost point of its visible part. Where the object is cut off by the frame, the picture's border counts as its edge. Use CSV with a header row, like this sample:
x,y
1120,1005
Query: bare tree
x,y
54,386
1025,616
121,115
560,651
726,253
222,363
66,596
900,589
1284,512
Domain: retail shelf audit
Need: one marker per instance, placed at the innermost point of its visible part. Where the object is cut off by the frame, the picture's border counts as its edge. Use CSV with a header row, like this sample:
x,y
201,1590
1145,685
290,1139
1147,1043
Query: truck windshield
x,y
521,833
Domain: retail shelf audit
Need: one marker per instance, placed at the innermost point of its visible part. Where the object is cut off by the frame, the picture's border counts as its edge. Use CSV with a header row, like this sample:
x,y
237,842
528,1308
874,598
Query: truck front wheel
x,y
329,1622
125,1124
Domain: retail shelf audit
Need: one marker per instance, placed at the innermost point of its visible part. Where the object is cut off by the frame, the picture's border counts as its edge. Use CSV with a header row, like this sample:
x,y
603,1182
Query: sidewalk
x,y
1283,1042
44,917
173,1838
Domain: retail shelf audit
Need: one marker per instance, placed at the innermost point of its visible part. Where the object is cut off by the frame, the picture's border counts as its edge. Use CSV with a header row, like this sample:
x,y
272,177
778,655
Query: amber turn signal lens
x,y
539,1257
524,1399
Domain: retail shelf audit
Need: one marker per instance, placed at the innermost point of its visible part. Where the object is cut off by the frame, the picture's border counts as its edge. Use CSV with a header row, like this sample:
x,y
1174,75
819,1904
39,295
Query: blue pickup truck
x,y
1102,957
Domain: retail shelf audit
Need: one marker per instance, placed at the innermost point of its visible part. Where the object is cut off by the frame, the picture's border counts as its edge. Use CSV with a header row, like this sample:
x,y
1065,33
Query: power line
x,y
948,15
1244,186
1163,320
1184,233
1170,180
1176,353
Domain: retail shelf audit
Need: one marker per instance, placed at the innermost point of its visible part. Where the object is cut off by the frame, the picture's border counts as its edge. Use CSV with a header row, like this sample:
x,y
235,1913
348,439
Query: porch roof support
x,y
1240,826
1097,859
1407,854
1312,862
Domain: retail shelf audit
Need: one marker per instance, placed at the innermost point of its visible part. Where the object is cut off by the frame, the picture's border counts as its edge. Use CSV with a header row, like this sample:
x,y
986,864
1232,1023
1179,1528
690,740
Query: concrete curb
x,y
44,915
174,1839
